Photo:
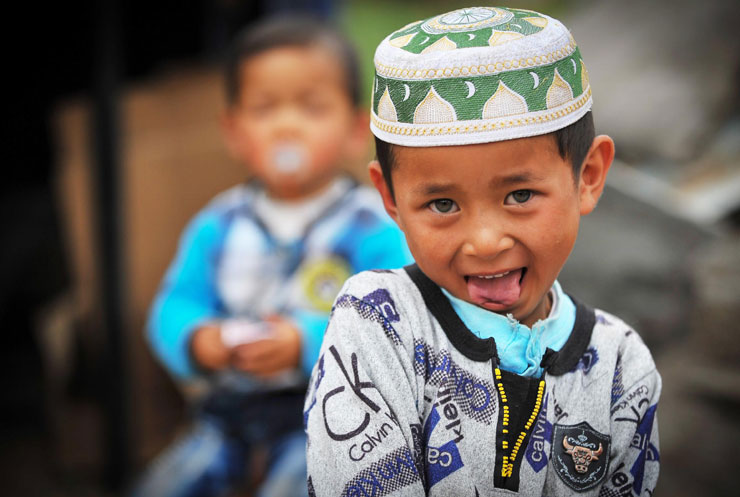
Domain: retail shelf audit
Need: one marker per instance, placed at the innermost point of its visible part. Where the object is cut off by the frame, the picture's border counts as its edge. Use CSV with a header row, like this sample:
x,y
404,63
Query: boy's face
x,y
492,223
294,123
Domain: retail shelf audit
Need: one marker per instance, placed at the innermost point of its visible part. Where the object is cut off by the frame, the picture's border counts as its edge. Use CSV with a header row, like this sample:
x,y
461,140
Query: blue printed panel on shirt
x,y
587,361
540,440
381,299
368,311
648,451
617,383
394,471
475,396
443,460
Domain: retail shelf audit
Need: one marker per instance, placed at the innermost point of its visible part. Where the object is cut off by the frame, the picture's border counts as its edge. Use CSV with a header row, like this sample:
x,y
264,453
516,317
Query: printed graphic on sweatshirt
x,y
559,410
443,460
368,311
381,300
417,436
601,319
580,455
631,403
540,440
634,407
316,377
617,383
475,397
647,451
587,361
620,484
373,438
345,417
394,471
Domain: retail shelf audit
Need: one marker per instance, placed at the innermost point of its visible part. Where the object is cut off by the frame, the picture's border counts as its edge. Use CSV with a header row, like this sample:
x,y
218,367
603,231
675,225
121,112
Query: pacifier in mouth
x,y
289,157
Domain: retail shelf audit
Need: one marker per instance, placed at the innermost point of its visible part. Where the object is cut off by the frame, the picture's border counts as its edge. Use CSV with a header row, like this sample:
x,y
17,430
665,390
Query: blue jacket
x,y
229,265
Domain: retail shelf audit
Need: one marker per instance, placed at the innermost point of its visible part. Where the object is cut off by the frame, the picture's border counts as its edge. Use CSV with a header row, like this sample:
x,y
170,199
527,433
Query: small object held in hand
x,y
241,331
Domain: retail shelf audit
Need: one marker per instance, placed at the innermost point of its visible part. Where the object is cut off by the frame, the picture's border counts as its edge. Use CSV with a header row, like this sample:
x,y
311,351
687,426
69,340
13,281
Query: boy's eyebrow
x,y
515,179
433,188
503,181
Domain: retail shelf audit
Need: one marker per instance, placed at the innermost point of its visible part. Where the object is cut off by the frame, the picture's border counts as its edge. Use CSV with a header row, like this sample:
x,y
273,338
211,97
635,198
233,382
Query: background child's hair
x,y
573,143
291,31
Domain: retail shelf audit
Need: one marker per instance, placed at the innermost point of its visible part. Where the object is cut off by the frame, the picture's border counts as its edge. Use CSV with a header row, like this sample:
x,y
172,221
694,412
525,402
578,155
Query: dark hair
x,y
573,143
293,30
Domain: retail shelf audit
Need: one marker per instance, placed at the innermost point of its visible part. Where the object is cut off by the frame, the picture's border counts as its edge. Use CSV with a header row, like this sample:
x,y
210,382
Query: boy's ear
x,y
593,172
376,176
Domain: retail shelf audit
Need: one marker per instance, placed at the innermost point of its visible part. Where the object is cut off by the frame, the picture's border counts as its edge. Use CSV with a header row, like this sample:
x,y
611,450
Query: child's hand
x,y
207,348
271,355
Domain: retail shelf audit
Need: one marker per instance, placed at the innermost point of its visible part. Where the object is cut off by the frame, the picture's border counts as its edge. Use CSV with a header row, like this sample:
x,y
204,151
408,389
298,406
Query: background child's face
x,y
294,123
492,223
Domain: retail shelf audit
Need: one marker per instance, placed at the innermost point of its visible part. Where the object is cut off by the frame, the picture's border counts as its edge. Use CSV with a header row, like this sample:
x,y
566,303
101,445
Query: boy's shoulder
x,y
615,347
227,202
214,218
612,331
358,217
378,287
389,294
232,198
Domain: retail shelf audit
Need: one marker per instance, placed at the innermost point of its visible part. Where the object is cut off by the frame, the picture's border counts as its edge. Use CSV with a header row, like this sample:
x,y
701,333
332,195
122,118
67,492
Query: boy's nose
x,y
486,240
286,123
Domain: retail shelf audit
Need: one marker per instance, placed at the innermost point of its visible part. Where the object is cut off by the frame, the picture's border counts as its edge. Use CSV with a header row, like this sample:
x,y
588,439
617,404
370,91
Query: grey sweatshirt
x,y
406,401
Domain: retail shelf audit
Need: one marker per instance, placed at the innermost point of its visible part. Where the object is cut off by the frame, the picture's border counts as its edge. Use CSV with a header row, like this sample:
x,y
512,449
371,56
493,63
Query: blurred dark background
x,y
112,143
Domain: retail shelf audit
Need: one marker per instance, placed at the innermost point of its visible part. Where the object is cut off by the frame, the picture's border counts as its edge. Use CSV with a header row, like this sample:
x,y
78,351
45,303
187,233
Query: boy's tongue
x,y
503,291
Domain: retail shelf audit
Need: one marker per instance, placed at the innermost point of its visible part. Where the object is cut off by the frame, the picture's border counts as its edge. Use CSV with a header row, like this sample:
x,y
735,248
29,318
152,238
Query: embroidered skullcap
x,y
477,75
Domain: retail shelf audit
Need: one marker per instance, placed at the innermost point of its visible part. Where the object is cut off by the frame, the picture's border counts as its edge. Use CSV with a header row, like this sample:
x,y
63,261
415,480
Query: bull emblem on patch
x,y
580,455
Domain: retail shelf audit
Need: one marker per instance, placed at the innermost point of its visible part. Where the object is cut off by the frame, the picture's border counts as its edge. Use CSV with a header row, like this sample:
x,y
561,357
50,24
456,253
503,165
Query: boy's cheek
x,y
327,154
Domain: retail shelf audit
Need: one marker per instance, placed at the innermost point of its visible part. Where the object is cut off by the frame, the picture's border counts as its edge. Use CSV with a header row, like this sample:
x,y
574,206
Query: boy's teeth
x,y
490,277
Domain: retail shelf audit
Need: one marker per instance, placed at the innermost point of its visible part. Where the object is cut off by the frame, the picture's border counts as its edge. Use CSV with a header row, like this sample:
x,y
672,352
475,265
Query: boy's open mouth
x,y
496,291
289,157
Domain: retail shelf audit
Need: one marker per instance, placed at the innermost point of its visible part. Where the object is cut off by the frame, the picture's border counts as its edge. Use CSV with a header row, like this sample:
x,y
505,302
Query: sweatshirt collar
x,y
520,348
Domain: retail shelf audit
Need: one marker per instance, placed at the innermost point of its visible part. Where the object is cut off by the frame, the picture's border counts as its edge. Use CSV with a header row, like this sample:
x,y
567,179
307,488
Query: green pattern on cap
x,y
531,84
477,75
471,27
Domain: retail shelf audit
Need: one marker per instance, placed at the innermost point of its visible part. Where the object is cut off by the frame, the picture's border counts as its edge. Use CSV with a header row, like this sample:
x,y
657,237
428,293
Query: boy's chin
x,y
287,190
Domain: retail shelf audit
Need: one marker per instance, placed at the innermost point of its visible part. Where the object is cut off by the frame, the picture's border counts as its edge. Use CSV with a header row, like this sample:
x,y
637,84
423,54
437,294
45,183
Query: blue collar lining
x,y
520,348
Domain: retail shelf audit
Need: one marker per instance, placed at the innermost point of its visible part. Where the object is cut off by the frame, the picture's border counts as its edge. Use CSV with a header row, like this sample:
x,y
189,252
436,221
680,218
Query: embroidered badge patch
x,y
322,279
580,455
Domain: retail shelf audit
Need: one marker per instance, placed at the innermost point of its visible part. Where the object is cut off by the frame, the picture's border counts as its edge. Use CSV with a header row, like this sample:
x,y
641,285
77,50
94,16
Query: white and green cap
x,y
477,75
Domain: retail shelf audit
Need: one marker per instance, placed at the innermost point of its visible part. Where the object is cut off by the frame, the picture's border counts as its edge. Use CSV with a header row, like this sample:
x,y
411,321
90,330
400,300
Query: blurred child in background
x,y
246,300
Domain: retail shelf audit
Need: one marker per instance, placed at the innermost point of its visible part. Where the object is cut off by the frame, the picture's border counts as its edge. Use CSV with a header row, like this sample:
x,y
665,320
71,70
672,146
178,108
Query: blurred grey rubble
x,y
663,248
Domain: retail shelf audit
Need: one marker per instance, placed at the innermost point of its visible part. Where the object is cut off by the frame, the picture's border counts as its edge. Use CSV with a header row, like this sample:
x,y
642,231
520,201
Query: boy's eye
x,y
443,206
518,197
316,103
315,108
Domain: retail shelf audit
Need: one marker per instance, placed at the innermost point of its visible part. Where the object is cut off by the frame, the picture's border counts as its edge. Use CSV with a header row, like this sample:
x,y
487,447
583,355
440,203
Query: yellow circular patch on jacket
x,y
322,279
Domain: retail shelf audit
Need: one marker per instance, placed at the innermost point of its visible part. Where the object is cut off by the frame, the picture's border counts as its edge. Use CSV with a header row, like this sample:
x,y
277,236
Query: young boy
x,y
245,302
472,372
